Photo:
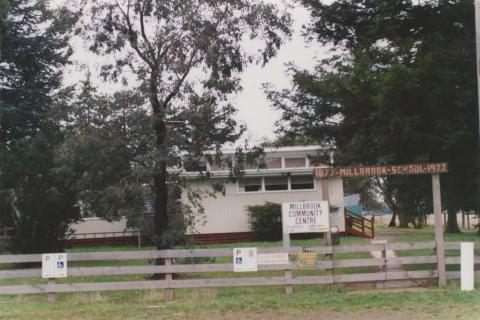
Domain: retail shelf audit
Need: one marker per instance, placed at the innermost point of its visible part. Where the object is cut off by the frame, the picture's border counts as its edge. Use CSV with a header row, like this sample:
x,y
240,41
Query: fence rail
x,y
378,270
101,235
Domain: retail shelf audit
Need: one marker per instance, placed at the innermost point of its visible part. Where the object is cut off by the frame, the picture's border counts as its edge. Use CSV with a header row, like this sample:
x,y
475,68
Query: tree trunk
x,y
160,207
393,223
160,189
417,222
452,224
403,219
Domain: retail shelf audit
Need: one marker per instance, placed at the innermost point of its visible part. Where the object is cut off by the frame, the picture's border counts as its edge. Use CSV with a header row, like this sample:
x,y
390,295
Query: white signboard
x,y
54,265
272,258
303,217
245,259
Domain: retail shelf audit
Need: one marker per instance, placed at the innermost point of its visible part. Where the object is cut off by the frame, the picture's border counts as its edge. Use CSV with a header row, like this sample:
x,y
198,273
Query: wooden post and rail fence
x,y
330,261
334,269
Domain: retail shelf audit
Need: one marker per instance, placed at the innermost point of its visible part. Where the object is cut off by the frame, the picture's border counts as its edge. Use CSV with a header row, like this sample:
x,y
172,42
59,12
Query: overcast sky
x,y
252,103
254,109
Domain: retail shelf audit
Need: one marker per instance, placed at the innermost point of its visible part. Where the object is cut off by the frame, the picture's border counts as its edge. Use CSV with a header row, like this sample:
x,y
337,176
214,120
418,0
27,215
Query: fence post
x,y
168,280
385,263
288,273
51,295
326,197
333,264
139,239
437,212
373,226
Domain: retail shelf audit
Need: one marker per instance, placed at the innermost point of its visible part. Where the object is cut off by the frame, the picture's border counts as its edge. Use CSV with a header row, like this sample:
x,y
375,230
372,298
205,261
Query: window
x,y
276,183
195,165
249,165
294,162
318,160
219,165
250,185
273,163
301,182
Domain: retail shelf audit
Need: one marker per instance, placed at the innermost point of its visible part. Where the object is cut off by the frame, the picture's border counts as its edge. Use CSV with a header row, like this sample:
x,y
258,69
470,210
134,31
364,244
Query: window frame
x,y
305,162
262,186
289,189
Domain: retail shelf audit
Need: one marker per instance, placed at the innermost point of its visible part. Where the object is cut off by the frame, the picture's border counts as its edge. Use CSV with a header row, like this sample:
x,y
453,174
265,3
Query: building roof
x,y
293,151
276,149
255,172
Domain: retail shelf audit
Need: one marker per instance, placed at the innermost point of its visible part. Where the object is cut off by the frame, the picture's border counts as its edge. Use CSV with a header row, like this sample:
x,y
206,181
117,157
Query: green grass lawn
x,y
307,302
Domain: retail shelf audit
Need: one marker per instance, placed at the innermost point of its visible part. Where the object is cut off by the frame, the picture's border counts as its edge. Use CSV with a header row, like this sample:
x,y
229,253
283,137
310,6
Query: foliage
x,y
365,187
187,57
38,201
398,87
104,137
266,221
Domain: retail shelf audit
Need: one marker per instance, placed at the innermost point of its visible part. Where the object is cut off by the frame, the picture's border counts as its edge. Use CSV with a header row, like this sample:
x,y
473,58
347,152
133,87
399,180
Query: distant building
x,y
287,176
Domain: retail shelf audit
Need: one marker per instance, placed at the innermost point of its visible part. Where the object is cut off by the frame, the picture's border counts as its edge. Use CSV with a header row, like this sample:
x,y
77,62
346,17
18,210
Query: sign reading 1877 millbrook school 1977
x,y
303,217
387,170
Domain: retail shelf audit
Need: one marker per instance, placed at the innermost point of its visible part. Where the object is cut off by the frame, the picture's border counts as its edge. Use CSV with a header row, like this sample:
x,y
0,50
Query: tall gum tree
x,y
187,56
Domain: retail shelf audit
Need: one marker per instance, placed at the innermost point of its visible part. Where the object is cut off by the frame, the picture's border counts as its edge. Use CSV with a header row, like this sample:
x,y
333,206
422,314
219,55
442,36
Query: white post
x,y
467,275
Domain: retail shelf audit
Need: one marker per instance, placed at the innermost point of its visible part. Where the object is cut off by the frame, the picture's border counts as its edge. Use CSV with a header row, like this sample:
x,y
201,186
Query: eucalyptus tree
x,y
186,58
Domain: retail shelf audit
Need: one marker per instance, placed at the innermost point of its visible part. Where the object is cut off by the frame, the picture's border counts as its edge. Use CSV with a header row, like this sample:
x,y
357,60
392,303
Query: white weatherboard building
x,y
288,177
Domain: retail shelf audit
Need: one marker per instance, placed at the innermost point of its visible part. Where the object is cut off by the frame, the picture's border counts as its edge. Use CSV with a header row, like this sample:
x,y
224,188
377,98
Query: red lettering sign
x,y
387,170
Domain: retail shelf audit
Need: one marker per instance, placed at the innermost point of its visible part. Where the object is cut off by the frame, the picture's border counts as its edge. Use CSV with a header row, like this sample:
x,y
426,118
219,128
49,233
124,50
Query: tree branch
x,y
132,34
144,35
181,80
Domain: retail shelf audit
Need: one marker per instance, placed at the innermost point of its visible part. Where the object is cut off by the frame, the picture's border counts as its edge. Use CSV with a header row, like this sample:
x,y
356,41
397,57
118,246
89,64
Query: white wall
x,y
227,213
91,225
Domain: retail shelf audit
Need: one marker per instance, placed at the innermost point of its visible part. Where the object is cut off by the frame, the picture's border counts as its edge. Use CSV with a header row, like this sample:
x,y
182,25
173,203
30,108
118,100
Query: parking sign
x,y
245,259
54,265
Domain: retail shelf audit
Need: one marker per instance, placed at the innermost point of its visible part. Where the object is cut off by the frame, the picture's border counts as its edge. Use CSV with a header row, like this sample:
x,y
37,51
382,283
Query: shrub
x,y
266,221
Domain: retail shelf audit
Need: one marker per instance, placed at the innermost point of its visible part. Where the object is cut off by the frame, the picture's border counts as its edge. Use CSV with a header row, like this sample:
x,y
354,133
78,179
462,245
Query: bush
x,y
266,221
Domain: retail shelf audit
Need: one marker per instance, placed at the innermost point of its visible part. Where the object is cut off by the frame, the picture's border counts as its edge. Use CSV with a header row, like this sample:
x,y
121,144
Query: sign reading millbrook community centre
x,y
388,170
303,217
